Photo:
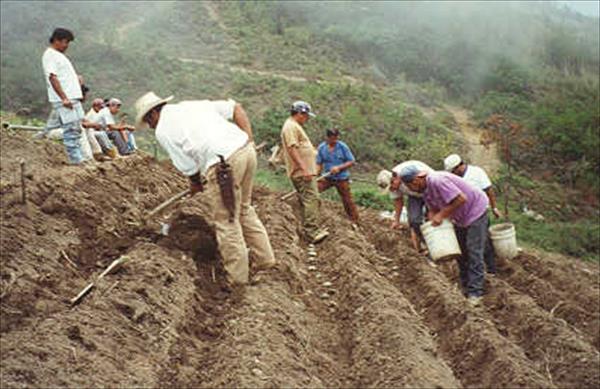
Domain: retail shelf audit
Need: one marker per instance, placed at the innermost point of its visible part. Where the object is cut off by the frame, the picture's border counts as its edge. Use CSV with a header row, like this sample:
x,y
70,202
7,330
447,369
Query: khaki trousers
x,y
246,231
309,204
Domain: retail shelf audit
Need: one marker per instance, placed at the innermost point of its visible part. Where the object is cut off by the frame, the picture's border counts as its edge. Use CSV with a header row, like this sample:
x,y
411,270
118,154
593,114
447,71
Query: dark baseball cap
x,y
332,132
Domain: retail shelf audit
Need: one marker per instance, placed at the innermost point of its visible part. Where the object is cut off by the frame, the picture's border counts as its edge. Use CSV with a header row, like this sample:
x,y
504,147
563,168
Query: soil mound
x,y
366,312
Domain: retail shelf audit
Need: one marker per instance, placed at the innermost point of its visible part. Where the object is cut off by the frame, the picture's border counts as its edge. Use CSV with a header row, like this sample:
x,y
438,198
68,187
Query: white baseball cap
x,y
451,162
384,179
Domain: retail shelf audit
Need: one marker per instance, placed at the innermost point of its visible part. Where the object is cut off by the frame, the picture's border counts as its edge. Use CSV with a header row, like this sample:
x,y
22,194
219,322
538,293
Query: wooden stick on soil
x,y
9,126
116,263
65,256
167,203
23,189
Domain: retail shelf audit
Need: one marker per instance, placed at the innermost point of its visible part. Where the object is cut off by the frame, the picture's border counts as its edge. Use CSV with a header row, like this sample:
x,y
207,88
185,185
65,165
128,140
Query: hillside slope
x,y
368,311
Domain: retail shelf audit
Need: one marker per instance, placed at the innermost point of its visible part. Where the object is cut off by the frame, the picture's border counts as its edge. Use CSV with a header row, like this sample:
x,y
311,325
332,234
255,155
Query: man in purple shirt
x,y
449,196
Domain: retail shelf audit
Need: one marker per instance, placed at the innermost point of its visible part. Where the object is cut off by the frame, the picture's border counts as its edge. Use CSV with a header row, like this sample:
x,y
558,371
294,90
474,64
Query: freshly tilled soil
x,y
367,311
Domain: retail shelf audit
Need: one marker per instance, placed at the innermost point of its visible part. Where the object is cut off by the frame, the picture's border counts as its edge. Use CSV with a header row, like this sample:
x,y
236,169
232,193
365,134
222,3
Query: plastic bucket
x,y
441,240
504,239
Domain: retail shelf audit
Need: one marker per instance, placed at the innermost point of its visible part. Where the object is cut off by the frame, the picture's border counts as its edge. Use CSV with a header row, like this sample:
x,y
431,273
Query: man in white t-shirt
x,y
97,137
390,182
477,177
64,91
198,136
120,133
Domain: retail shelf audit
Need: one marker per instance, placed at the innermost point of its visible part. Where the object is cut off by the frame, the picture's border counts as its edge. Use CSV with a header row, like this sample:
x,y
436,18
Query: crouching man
x,y
201,140
449,196
389,182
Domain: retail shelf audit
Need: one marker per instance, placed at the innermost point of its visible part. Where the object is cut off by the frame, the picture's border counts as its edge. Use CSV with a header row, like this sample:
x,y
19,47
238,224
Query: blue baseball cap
x,y
409,173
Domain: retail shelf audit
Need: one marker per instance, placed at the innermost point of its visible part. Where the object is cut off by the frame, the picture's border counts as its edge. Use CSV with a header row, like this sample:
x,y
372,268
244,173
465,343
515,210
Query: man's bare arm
x,y
59,91
492,197
241,119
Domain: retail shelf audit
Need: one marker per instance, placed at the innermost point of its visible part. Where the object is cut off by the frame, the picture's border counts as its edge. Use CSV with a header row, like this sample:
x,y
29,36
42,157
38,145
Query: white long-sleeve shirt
x,y
195,133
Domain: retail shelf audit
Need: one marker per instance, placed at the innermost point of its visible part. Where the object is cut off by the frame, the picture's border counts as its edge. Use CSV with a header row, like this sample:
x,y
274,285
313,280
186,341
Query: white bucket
x,y
504,239
441,240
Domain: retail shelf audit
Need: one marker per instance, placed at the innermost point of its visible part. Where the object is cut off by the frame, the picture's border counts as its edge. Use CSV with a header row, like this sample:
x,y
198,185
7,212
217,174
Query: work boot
x,y
101,157
39,135
112,153
320,236
266,265
474,301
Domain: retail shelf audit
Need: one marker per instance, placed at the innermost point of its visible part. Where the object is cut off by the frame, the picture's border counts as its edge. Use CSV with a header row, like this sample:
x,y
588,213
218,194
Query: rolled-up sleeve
x,y
347,153
225,108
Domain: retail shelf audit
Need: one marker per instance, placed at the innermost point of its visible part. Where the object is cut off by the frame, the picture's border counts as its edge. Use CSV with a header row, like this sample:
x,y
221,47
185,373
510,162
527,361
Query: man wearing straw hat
x,y
214,139
448,196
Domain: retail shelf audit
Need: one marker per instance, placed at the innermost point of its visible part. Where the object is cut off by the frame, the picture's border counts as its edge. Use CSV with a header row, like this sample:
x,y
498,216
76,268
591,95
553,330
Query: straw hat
x,y
144,104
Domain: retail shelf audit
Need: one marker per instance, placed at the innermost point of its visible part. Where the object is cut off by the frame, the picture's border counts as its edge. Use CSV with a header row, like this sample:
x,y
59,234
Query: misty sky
x,y
586,7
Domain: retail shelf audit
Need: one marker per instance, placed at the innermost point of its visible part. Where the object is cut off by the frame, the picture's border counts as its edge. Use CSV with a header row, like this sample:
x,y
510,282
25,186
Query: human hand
x,y
396,225
496,213
67,103
196,187
306,175
437,219
335,170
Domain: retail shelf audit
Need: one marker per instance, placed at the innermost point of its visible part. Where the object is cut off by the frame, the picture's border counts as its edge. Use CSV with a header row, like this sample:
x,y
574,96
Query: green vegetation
x,y
379,71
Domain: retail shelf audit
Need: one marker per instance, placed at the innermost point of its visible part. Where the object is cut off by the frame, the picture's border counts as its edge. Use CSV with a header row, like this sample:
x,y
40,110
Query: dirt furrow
x,y
478,354
119,327
564,355
576,280
559,303
248,339
558,350
390,345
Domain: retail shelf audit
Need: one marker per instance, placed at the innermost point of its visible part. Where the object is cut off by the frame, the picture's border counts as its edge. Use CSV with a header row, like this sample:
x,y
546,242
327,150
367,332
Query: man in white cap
x,y
120,133
300,162
477,177
214,139
390,182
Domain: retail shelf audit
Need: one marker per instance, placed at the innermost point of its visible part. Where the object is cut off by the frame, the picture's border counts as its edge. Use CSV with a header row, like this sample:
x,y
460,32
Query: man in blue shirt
x,y
335,158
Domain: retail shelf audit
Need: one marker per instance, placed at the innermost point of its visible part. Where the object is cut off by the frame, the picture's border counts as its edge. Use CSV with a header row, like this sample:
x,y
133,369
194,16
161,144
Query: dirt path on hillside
x,y
209,6
367,311
479,152
271,73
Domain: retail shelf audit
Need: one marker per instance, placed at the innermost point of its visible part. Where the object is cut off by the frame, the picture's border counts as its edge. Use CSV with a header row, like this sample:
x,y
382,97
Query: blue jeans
x,y
131,141
103,140
416,214
70,121
118,140
472,240
489,257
